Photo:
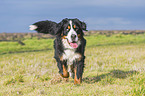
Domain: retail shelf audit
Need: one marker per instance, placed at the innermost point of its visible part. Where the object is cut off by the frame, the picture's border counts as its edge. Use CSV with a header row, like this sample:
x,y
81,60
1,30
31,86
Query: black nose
x,y
73,36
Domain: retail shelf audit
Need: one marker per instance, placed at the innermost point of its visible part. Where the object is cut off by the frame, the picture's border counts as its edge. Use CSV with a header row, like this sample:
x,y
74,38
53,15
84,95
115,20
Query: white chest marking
x,y
70,56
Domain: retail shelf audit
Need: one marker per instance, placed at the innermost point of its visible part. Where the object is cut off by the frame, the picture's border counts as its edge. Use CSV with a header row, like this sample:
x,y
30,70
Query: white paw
x,y
33,27
71,74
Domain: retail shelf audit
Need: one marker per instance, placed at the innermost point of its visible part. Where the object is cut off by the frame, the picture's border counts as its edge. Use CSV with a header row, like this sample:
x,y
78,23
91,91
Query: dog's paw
x,y
33,27
65,75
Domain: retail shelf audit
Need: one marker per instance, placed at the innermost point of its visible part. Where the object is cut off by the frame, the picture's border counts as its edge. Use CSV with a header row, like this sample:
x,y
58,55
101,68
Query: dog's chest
x,y
70,55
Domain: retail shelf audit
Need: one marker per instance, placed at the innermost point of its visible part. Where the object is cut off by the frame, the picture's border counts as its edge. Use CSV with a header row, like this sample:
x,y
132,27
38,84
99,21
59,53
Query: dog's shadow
x,y
114,74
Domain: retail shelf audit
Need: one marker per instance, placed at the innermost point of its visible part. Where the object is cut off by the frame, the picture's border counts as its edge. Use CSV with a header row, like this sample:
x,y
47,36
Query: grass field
x,y
114,66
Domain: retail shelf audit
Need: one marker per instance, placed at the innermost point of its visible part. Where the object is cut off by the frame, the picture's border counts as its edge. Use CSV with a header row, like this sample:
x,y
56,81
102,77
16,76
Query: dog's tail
x,y
46,27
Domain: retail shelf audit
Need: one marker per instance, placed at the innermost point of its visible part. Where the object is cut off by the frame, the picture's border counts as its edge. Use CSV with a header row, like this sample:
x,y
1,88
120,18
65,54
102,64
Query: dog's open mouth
x,y
73,44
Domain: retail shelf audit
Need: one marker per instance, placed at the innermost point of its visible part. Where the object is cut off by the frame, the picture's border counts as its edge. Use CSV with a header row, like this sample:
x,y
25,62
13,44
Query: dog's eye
x,y
67,29
76,29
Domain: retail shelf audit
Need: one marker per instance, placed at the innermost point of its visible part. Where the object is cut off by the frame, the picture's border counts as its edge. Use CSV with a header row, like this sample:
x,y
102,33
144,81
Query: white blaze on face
x,y
72,31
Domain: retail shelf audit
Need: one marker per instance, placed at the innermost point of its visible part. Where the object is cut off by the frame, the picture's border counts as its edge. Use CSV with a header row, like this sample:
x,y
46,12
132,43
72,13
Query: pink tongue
x,y
74,45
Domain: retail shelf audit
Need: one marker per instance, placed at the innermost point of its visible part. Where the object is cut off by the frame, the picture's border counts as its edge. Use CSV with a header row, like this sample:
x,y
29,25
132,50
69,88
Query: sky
x,y
17,15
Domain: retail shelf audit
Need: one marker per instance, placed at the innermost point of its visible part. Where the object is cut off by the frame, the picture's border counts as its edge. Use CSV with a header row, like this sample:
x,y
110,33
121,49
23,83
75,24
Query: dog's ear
x,y
46,27
82,24
60,26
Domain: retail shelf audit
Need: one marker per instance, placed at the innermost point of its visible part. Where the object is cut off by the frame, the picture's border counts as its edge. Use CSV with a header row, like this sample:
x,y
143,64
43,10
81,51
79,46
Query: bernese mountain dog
x,y
69,45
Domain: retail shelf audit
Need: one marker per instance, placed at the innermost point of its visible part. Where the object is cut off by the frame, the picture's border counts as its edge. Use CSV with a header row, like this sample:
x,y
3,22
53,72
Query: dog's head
x,y
72,31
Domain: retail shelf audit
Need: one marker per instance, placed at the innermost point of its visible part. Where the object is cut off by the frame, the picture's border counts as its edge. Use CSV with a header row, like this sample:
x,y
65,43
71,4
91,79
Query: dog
x,y
69,45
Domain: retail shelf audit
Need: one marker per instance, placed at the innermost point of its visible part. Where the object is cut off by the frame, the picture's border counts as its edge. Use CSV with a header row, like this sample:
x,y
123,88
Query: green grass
x,y
114,66
92,41
30,45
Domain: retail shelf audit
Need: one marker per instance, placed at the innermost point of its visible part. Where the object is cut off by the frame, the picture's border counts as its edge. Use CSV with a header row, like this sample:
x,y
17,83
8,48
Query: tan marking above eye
x,y
68,27
74,26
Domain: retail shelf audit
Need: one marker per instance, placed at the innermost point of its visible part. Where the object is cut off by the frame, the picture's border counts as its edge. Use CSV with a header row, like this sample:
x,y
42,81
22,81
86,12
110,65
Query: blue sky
x,y
17,15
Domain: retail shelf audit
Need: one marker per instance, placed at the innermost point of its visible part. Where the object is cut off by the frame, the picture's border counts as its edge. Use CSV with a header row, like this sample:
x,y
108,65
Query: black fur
x,y
59,30
46,27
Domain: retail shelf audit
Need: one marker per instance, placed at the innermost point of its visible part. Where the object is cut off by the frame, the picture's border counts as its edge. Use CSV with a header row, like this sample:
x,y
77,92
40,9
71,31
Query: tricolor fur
x,y
69,45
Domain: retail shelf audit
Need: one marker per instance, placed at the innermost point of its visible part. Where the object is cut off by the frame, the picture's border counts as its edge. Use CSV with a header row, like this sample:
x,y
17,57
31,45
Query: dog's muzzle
x,y
73,42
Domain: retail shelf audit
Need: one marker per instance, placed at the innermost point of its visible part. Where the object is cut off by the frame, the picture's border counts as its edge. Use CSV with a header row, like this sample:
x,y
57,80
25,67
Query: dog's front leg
x,y
78,70
64,73
62,68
